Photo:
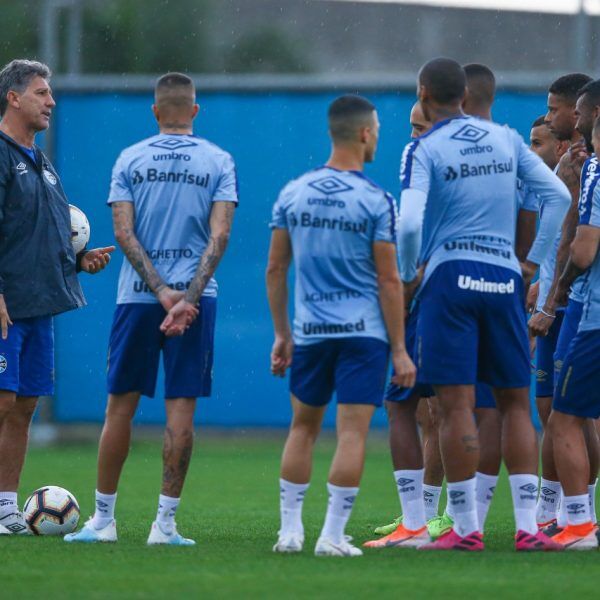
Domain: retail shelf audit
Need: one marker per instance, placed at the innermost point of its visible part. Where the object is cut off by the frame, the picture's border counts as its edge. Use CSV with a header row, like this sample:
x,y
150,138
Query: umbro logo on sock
x,y
427,494
404,481
349,502
531,491
575,508
548,492
456,498
404,484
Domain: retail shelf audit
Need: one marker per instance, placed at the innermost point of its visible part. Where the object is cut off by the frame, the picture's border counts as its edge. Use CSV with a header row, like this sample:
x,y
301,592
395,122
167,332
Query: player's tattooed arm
x,y
124,228
183,313
583,252
221,219
570,172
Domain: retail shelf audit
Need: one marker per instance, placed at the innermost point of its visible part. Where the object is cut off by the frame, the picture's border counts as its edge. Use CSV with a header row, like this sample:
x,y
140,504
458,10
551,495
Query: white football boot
x,y
327,547
15,523
4,531
88,534
158,536
289,543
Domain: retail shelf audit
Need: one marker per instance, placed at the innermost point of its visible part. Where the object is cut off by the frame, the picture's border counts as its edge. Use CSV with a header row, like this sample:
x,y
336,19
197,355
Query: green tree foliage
x,y
145,36
19,30
267,50
152,36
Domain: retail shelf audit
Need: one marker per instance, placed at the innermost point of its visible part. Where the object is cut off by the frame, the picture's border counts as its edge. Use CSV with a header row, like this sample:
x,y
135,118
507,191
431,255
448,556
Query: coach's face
x,y
35,104
560,117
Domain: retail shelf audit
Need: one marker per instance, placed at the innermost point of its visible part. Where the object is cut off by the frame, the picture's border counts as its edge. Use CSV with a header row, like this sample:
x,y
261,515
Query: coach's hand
x,y
540,324
4,318
281,355
179,318
405,372
94,261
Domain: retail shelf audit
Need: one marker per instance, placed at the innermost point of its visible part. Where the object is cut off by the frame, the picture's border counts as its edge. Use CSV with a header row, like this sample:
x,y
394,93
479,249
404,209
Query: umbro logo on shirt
x,y
173,143
22,168
470,133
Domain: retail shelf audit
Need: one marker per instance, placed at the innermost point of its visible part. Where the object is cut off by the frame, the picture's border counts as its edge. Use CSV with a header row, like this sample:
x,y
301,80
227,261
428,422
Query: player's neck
x,y
346,159
484,113
176,128
576,137
442,113
22,135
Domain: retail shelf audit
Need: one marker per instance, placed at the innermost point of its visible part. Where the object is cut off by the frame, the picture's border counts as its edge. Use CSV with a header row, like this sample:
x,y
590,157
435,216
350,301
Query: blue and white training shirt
x,y
459,201
590,318
172,181
333,217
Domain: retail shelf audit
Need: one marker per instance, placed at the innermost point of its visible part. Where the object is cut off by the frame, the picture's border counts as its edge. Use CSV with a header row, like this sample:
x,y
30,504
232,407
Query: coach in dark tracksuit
x,y
38,269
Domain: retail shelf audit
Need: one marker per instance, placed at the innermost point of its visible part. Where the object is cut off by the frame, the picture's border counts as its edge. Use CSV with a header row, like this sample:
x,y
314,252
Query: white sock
x,y
291,499
461,497
592,498
485,486
578,509
561,517
410,491
167,507
341,500
8,502
524,489
548,501
431,499
105,510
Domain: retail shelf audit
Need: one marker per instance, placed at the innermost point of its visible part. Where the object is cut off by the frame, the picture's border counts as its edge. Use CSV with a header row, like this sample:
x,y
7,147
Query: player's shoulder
x,y
130,152
371,186
208,148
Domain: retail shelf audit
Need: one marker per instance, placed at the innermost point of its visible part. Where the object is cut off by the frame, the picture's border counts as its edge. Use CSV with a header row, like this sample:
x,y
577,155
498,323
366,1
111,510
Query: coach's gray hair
x,y
17,75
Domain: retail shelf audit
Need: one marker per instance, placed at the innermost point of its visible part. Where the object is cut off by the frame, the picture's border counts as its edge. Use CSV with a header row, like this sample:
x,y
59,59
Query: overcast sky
x,y
555,6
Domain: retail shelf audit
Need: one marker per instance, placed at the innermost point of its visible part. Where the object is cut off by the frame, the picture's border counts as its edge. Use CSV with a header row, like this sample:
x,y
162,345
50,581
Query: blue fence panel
x,y
273,138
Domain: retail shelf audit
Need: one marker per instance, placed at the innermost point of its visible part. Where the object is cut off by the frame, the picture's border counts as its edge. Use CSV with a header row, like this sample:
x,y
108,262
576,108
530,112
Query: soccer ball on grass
x,y
51,510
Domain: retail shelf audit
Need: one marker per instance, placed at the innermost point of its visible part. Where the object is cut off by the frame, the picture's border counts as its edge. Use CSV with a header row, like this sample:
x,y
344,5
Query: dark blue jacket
x,y
38,275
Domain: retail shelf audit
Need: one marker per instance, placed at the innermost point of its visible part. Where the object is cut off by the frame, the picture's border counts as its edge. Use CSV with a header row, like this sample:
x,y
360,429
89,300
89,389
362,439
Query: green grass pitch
x,y
230,507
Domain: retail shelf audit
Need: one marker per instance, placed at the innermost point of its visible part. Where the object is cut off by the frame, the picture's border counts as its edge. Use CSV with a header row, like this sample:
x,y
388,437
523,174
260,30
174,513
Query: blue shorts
x,y
568,331
544,358
484,396
578,385
136,342
354,367
27,357
465,335
398,394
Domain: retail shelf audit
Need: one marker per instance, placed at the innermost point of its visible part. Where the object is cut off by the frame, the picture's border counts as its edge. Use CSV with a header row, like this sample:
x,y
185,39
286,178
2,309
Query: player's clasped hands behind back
x,y
180,313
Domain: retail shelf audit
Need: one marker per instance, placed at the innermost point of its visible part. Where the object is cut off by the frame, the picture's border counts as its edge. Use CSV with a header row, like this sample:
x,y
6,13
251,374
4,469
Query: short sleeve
x,y
120,186
386,220
227,186
279,213
588,196
415,168
594,218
